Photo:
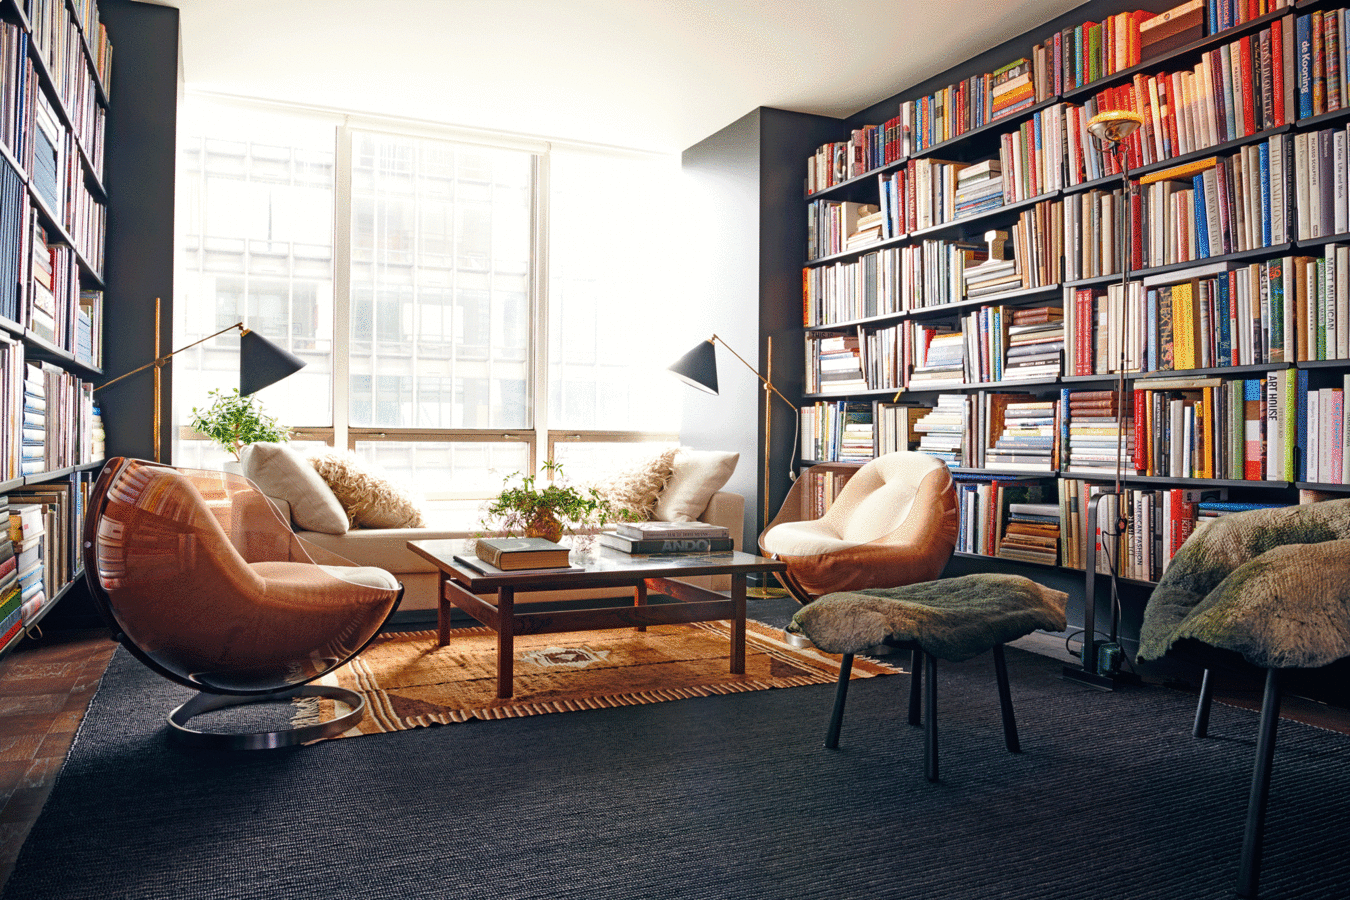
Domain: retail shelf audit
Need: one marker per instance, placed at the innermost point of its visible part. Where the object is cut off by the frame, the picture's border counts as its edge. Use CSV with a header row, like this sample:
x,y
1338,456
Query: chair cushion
x,y
369,576
370,500
282,472
696,476
809,538
953,618
1270,584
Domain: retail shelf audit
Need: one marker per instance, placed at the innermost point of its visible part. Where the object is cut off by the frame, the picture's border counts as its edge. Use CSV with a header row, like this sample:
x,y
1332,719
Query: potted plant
x,y
546,510
234,421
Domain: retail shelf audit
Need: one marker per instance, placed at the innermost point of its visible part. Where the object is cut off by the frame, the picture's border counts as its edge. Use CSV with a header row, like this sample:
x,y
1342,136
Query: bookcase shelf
x,y
52,220
1228,418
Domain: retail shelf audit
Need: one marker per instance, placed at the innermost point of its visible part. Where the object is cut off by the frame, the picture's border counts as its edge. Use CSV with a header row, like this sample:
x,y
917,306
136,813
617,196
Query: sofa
x,y
322,510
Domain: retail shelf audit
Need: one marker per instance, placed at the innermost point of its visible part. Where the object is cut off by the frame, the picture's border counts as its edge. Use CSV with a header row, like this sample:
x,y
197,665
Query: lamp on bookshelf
x,y
698,369
261,363
1099,663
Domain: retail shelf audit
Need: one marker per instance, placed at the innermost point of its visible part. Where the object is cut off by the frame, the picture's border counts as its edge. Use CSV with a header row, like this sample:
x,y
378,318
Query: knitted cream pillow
x,y
370,501
636,488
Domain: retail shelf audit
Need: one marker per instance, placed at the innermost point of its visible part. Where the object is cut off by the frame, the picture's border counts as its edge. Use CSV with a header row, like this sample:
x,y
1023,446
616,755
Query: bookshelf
x,y
986,312
55,64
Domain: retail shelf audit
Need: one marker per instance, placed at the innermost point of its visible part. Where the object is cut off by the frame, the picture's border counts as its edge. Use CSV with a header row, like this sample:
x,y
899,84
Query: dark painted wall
x,y
139,174
746,247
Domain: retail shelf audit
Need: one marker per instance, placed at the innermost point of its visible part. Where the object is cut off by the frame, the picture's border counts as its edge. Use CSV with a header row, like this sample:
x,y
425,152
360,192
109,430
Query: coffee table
x,y
490,595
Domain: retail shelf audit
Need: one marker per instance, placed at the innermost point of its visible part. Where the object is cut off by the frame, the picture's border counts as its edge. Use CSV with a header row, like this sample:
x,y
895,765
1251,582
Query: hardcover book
x,y
511,553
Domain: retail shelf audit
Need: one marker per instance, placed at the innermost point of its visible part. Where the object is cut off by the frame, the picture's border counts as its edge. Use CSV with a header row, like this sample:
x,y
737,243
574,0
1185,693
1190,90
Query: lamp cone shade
x,y
262,363
698,367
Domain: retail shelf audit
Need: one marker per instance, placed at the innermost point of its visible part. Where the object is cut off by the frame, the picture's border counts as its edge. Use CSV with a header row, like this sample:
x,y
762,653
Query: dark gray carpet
x,y
722,797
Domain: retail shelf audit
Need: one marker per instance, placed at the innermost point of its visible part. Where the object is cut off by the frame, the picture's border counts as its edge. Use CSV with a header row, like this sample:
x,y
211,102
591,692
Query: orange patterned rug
x,y
409,682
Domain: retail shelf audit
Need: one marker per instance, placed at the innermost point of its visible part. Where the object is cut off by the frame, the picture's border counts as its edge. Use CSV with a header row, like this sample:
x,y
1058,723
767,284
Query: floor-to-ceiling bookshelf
x,y
54,89
1246,112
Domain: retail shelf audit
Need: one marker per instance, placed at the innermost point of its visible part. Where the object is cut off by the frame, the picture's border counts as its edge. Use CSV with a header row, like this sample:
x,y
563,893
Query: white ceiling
x,y
649,74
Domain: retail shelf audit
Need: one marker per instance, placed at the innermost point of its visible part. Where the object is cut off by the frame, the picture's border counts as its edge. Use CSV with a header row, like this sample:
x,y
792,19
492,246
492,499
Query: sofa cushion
x,y
282,472
697,475
370,500
636,489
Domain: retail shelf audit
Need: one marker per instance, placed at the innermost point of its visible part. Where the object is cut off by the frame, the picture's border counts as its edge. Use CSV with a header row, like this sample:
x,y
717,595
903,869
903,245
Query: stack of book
x,y
943,431
944,364
1012,89
667,537
836,365
1035,344
1027,442
1097,427
27,530
33,449
979,188
1031,533
48,155
11,613
867,230
995,274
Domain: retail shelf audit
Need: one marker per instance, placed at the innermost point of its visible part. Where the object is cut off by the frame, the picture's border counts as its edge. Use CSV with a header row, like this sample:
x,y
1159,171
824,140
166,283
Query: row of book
x,y
1282,310
1322,62
842,431
55,422
75,49
1237,89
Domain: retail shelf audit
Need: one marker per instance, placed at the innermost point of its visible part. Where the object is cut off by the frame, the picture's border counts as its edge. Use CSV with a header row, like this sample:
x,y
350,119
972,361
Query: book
x,y
509,554
648,531
663,545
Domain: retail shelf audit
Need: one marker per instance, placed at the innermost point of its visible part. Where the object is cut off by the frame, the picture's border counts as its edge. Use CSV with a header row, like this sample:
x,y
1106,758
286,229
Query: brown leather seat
x,y
894,523
202,580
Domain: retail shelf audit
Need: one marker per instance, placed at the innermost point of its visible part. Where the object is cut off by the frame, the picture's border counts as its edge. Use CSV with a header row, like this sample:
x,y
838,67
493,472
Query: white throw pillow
x,y
698,474
282,472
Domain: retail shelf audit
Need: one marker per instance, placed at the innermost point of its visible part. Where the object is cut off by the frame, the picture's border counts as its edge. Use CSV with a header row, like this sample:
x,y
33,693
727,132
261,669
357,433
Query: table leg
x,y
738,625
443,609
506,640
640,598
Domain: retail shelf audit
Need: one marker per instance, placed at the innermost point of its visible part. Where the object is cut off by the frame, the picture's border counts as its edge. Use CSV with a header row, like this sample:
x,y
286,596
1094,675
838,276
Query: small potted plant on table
x,y
545,510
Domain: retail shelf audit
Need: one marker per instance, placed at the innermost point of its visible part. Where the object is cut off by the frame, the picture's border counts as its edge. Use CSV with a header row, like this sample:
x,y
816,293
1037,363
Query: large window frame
x,y
540,440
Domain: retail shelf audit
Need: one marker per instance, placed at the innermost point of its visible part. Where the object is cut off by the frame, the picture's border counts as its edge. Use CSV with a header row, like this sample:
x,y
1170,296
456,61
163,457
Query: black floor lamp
x,y
1100,663
698,368
261,363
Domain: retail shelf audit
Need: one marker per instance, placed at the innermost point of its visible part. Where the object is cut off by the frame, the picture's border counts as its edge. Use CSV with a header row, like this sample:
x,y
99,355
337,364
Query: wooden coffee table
x,y
490,596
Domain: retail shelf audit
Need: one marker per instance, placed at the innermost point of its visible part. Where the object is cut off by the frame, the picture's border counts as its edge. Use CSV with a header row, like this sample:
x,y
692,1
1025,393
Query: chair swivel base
x,y
183,733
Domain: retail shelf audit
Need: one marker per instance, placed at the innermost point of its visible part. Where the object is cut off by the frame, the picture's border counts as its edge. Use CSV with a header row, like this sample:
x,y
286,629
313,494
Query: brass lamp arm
x,y
165,358
768,385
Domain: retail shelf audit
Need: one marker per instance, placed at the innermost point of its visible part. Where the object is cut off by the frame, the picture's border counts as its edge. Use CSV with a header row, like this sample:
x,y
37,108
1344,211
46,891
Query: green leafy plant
x,y
546,508
233,421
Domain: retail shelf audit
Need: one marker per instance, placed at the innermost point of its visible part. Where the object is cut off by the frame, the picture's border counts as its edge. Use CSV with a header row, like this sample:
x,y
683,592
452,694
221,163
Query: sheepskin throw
x,y
1270,584
635,489
370,501
952,619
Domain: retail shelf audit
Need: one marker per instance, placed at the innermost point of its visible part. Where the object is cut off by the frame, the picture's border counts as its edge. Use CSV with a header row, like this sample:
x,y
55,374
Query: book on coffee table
x,y
617,541
511,553
670,531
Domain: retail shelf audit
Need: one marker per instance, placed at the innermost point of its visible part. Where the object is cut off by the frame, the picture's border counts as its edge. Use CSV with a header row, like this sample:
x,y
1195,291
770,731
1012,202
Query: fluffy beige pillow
x,y
636,488
282,472
370,501
698,475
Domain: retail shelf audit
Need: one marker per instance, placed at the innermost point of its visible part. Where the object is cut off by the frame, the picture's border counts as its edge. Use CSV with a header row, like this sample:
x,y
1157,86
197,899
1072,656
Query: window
x,y
498,302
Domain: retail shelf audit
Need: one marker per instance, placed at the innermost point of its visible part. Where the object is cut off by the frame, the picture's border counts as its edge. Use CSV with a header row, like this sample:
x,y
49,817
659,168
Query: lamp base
x,y
765,593
1114,681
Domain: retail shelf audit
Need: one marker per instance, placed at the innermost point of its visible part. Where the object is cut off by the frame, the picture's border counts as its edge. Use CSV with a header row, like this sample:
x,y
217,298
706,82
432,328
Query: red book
x,y
1141,436
1277,72
1248,116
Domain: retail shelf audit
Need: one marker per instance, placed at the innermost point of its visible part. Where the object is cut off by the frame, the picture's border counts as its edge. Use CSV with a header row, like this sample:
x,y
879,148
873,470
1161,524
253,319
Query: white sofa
x,y
284,476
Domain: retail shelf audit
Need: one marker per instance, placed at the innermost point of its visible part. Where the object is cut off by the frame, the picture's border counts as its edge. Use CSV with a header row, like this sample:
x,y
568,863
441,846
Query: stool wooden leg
x,y
930,741
840,694
1249,868
1201,727
915,685
1005,701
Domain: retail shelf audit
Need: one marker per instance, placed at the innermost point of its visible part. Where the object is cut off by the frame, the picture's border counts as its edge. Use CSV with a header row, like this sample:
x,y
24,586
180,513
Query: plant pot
x,y
544,525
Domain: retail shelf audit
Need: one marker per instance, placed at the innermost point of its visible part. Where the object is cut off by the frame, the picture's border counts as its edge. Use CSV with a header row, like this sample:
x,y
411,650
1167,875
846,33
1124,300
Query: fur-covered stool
x,y
952,619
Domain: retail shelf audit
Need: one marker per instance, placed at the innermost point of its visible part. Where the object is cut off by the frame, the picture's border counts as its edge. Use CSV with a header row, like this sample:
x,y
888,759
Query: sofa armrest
x,y
728,510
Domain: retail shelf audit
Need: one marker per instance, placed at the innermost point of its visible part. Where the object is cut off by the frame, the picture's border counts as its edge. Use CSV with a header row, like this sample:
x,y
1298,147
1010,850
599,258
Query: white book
x,y
1301,176
1341,300
1279,228
1339,224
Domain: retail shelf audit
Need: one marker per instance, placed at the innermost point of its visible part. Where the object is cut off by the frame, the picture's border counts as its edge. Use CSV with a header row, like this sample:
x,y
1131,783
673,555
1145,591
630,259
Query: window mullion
x,y
342,286
539,297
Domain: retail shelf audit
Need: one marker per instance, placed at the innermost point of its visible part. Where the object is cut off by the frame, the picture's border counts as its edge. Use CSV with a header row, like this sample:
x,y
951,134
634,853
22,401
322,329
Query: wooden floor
x,y
46,686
